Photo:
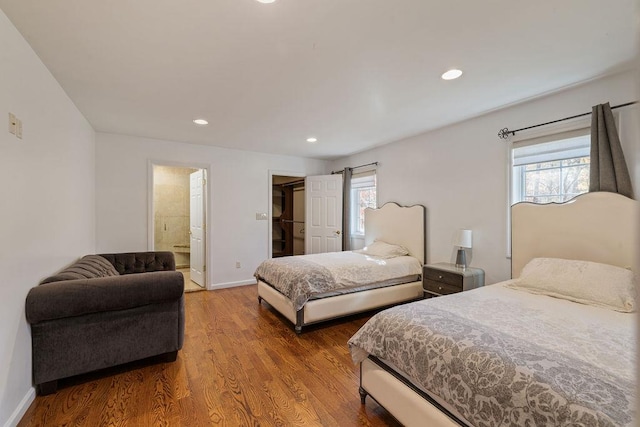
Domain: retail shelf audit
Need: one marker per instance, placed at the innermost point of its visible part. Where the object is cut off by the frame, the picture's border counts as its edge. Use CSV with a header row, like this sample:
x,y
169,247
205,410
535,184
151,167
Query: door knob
x,y
338,232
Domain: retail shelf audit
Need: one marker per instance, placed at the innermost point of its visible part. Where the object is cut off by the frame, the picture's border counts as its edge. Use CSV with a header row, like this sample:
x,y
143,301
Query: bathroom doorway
x,y
179,217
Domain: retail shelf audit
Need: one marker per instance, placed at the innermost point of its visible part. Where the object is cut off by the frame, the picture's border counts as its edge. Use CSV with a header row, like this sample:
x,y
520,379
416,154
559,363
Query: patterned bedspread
x,y
303,276
503,357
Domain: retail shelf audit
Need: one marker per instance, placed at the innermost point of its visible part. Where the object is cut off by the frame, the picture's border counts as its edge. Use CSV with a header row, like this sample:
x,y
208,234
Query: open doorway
x,y
179,216
287,215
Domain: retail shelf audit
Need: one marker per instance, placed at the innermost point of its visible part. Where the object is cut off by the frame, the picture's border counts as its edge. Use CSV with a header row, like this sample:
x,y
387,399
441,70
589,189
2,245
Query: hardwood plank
x,y
241,364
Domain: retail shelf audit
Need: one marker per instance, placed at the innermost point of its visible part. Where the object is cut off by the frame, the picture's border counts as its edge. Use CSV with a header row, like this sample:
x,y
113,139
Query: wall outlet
x,y
237,264
261,216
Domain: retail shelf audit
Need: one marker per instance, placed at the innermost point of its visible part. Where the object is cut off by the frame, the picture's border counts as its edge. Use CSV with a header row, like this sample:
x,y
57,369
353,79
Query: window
x,y
552,171
549,165
363,195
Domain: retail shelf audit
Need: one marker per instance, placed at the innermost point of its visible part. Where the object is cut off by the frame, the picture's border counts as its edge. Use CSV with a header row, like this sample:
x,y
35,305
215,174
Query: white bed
x,y
394,224
589,344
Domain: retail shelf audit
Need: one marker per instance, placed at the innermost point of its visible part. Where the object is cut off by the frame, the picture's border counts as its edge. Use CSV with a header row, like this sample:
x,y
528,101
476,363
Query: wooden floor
x,y
241,365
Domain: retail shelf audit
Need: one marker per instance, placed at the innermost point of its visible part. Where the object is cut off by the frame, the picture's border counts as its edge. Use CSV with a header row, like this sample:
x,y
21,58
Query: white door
x,y
197,226
323,222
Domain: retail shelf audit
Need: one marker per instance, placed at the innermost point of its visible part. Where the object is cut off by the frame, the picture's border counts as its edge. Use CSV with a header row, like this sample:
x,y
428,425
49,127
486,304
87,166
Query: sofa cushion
x,y
141,262
88,267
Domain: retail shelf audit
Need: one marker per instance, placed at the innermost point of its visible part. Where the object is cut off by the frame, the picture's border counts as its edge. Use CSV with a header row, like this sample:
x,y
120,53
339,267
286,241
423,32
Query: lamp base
x,y
461,259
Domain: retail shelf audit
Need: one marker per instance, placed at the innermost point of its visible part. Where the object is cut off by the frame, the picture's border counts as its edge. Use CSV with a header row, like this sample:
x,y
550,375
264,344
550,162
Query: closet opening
x,y
287,215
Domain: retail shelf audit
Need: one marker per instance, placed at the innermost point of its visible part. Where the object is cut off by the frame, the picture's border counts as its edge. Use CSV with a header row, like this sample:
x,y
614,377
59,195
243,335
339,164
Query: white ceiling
x,y
353,73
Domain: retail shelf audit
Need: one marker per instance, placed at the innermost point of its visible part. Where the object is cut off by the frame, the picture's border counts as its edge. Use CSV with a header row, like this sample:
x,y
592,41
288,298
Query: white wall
x,y
47,197
239,188
460,172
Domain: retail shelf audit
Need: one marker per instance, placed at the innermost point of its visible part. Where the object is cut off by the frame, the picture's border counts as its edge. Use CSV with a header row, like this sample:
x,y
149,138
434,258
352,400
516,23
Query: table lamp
x,y
462,240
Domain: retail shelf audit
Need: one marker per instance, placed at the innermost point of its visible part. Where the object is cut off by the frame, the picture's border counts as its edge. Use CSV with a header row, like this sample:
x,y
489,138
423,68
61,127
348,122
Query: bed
x,y
560,352
316,301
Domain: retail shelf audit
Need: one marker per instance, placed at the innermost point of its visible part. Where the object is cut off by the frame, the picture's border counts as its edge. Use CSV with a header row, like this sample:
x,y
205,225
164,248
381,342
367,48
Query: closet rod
x,y
504,133
356,167
287,184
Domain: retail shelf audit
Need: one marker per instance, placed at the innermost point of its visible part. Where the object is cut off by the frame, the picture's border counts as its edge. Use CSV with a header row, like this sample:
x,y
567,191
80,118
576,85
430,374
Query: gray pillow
x,y
88,267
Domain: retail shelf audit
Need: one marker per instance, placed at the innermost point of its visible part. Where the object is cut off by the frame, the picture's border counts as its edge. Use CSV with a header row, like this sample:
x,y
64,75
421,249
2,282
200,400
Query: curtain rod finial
x,y
504,133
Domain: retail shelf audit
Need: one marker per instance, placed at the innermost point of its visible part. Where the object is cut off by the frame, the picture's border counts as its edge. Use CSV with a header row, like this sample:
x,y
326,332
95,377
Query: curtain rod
x,y
357,167
504,133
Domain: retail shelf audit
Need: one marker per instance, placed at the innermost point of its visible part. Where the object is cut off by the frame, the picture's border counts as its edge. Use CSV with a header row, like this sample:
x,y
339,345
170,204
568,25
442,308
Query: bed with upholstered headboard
x,y
552,346
387,272
599,227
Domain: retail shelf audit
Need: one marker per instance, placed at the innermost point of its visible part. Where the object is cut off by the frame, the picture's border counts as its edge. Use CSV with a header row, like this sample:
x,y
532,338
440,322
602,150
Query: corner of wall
x,y
19,412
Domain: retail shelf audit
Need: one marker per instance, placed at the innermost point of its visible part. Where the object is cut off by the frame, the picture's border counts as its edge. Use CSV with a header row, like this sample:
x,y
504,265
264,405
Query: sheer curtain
x,y
608,170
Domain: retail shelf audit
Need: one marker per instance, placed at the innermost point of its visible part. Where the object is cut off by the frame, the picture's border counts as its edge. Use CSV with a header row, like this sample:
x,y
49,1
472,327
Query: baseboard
x,y
19,412
231,284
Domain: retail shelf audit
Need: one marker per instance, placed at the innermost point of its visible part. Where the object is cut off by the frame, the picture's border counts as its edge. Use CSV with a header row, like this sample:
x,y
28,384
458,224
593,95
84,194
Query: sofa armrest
x,y
83,296
141,262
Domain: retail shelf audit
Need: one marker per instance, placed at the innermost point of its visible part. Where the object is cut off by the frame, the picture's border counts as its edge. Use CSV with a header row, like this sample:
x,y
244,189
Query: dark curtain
x,y
346,209
608,170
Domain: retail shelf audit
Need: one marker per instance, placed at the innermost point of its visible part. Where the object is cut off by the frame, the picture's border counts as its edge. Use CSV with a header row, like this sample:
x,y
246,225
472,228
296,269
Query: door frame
x,y
208,199
270,204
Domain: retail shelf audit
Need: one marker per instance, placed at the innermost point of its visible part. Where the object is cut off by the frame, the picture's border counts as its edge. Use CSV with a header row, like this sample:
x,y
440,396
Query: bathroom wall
x,y
171,211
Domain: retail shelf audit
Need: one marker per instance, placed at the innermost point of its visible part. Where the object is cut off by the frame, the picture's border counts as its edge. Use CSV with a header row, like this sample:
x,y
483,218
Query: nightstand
x,y
444,278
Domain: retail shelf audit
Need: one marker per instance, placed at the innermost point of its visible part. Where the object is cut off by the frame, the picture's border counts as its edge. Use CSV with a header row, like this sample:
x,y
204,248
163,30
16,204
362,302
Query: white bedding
x,y
353,269
301,277
498,355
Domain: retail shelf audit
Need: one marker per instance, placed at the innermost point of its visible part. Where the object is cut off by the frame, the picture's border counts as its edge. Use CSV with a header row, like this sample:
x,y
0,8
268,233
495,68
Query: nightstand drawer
x,y
444,277
440,288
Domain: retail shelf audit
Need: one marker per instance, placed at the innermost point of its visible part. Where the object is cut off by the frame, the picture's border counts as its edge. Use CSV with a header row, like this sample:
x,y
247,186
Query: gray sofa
x,y
103,311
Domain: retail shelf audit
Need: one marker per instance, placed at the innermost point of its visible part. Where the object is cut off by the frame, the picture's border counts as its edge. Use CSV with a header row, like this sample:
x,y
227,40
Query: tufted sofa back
x,y
141,262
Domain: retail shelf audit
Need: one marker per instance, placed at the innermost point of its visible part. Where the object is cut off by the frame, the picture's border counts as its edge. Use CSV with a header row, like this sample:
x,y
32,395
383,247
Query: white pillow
x,y
585,282
384,250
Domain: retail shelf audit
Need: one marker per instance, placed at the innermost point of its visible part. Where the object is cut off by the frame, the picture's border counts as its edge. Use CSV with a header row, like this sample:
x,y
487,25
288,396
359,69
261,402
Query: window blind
x,y
363,179
568,148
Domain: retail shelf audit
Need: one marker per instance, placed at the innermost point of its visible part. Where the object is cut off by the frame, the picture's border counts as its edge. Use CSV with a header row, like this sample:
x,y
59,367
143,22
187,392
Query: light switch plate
x,y
261,216
19,128
12,123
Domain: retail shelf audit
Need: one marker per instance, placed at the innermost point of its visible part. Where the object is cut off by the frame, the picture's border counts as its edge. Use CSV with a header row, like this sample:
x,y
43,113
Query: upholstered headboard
x,y
400,225
599,227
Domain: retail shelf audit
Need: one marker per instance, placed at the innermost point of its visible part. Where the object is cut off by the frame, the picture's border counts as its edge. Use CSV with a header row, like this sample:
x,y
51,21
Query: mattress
x,y
304,277
500,356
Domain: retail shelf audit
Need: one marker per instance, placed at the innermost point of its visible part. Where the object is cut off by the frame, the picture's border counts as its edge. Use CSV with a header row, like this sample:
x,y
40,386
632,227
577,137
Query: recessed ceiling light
x,y
266,1
201,122
312,140
452,74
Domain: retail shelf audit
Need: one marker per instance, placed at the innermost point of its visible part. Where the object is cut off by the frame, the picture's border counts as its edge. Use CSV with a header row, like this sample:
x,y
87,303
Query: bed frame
x,y
599,227
405,226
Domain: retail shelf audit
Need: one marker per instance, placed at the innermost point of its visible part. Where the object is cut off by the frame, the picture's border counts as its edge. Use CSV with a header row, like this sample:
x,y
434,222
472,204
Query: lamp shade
x,y
463,239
